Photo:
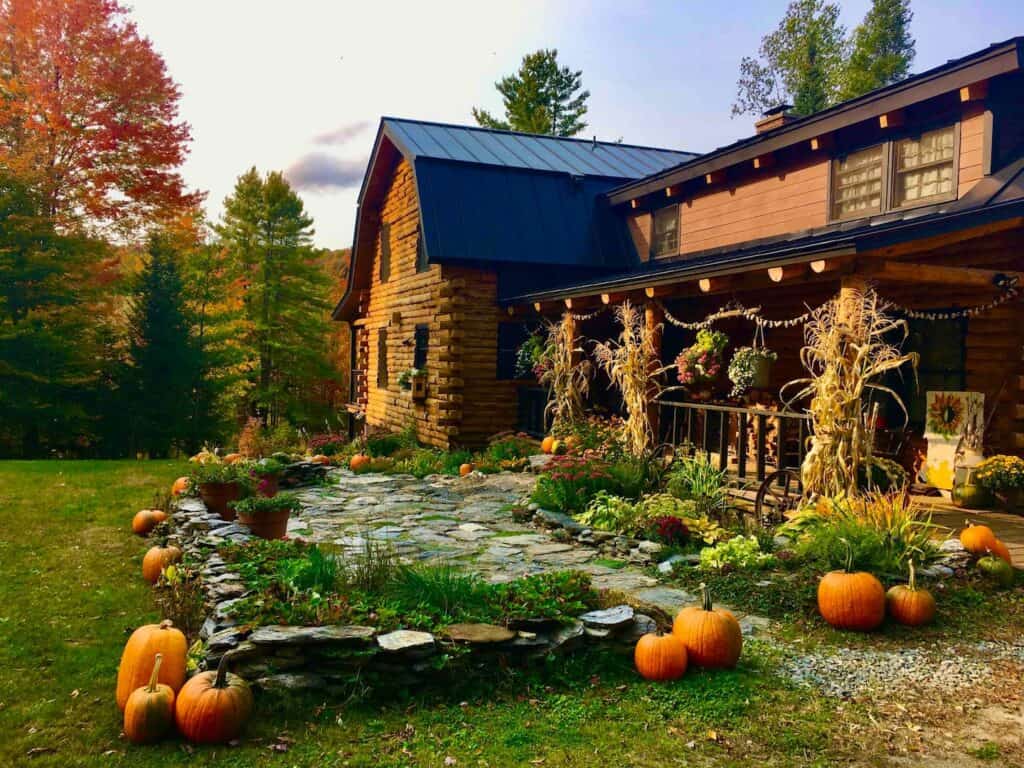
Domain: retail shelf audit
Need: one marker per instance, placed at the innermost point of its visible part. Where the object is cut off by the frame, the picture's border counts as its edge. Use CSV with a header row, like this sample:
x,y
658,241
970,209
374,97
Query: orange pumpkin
x,y
977,539
149,713
851,600
321,459
909,605
465,469
156,559
137,659
213,707
660,657
180,486
359,462
233,458
146,520
547,444
999,549
712,636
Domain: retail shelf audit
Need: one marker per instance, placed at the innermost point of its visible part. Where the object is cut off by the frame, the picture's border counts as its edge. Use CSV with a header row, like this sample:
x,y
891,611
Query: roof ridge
x,y
485,129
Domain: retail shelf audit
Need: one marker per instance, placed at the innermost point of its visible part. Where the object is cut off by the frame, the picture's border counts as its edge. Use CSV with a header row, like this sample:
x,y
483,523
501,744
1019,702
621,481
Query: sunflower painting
x,y
946,413
950,416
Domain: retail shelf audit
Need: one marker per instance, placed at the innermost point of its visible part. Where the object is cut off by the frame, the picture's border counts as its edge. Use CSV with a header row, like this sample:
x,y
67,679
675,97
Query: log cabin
x,y
466,238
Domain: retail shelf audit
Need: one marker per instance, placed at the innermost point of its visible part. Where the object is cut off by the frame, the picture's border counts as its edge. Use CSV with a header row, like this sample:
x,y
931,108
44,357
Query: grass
x,y
70,592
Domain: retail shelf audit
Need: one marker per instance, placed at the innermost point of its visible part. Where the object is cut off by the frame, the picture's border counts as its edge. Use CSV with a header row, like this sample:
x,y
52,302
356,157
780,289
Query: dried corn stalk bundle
x,y
847,348
567,374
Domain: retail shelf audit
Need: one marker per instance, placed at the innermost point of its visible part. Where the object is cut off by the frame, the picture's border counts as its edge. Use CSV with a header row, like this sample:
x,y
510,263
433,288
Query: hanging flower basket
x,y
750,368
699,365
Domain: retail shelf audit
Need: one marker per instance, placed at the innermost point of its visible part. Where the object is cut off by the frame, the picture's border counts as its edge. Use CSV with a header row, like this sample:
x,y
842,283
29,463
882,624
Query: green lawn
x,y
70,592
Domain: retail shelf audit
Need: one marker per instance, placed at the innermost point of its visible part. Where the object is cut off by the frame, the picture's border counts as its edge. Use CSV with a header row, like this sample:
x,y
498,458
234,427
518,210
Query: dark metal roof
x,y
509,149
997,59
997,197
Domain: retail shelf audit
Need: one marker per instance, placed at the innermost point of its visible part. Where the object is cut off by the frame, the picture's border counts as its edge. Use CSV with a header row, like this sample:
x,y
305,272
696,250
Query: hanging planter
x,y
699,365
414,380
750,368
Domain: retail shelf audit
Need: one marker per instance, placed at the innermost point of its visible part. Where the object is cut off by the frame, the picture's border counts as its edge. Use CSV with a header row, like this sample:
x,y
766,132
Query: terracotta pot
x,y
267,525
268,485
217,497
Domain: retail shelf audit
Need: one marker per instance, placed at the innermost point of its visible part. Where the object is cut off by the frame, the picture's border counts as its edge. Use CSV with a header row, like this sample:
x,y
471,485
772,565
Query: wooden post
x,y
654,320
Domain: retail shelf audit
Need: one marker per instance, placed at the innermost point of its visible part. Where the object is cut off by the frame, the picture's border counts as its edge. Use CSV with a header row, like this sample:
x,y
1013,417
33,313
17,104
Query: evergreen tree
x,y
801,62
882,48
282,336
164,364
541,97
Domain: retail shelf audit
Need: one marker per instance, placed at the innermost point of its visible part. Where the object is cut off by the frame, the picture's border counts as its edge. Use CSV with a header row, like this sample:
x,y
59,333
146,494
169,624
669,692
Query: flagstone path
x,y
467,521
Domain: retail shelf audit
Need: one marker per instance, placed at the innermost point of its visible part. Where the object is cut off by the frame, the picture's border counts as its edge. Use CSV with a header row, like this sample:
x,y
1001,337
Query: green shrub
x,y
561,595
571,482
383,445
441,592
633,476
737,552
695,479
608,512
509,449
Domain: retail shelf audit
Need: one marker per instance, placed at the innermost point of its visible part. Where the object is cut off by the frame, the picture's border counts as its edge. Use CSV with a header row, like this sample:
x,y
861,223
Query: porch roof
x,y
995,198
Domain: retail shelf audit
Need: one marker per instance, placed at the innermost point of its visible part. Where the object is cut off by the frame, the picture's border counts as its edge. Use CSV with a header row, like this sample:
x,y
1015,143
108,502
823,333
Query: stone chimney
x,y
776,117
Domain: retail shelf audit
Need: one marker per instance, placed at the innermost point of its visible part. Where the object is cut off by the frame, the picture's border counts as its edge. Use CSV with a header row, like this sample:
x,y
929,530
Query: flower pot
x,y
971,496
218,496
761,368
267,525
268,485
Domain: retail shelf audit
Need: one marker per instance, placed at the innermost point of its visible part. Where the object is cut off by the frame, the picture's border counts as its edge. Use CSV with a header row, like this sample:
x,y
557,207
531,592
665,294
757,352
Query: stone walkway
x,y
467,521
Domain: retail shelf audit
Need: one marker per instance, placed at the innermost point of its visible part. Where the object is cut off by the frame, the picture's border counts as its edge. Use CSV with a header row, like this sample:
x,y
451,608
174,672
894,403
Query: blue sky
x,y
301,85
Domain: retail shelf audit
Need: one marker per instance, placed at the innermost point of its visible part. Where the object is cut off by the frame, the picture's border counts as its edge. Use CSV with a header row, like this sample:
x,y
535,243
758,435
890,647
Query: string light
x,y
589,315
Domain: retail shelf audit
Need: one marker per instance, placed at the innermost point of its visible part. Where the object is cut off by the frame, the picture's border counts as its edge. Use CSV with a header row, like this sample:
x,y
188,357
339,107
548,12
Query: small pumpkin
x,y
139,652
997,569
146,520
321,459
908,604
849,600
660,656
571,442
149,713
180,486
547,444
558,447
977,539
158,558
712,636
999,549
213,707
465,469
233,458
359,462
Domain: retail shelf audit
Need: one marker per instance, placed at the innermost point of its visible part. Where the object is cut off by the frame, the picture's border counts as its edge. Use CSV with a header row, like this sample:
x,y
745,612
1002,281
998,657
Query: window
x,y
510,338
665,234
421,343
857,183
385,252
915,170
924,168
422,264
382,358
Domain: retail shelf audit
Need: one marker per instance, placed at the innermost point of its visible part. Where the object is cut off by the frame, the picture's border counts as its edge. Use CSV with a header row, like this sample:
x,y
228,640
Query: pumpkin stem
x,y
166,624
705,594
151,688
849,555
912,582
222,673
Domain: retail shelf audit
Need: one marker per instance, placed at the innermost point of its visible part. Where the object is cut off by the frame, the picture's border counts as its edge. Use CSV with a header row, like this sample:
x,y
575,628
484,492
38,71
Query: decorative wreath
x,y
946,414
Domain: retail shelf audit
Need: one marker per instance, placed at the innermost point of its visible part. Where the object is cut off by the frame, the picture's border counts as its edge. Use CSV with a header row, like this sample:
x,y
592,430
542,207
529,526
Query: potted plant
x,y
699,365
750,367
414,380
266,516
532,358
1003,477
219,484
267,474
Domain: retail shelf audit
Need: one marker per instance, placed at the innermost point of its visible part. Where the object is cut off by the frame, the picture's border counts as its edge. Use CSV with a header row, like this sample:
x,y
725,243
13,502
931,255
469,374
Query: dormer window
x,y
857,181
665,231
924,168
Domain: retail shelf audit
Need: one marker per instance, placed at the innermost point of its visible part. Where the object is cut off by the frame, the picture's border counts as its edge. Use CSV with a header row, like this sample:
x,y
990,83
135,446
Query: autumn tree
x,y
88,114
882,48
542,97
800,63
284,290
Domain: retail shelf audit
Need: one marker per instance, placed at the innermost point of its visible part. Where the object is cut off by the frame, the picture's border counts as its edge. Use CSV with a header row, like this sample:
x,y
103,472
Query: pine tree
x,y
801,62
164,363
541,97
882,48
282,337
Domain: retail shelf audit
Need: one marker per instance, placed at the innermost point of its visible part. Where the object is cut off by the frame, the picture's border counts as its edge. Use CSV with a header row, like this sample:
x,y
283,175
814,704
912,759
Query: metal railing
x,y
722,432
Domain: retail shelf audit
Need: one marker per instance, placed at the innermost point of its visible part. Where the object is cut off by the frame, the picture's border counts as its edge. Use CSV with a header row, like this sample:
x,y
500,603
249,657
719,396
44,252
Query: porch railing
x,y
726,434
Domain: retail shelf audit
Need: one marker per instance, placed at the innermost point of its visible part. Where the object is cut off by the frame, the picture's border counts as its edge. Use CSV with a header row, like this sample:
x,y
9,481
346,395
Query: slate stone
x,y
542,550
668,564
291,681
307,635
568,636
608,618
558,520
406,641
664,598
478,633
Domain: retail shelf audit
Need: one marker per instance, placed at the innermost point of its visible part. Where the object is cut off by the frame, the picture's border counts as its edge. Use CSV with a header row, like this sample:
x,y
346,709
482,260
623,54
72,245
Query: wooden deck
x,y
1009,528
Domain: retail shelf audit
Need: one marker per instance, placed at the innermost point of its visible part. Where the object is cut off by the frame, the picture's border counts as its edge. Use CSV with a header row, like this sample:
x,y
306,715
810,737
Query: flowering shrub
x,y
669,530
531,357
702,362
328,443
1000,473
571,482
737,552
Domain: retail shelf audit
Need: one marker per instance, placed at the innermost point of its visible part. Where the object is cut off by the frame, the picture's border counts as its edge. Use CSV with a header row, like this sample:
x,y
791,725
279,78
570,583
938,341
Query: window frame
x,y
382,358
385,252
421,332
888,146
654,228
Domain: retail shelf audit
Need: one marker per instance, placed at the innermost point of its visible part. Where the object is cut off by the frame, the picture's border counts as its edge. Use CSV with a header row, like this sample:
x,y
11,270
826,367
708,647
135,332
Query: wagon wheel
x,y
778,494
